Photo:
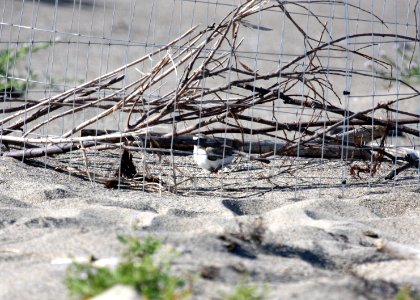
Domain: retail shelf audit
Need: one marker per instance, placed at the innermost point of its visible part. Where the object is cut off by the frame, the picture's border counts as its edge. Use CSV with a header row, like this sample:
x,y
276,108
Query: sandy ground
x,y
314,241
318,235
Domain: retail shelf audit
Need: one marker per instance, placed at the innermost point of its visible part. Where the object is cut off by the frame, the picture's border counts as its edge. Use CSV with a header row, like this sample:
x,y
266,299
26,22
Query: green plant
x,y
141,267
248,292
405,293
406,66
8,59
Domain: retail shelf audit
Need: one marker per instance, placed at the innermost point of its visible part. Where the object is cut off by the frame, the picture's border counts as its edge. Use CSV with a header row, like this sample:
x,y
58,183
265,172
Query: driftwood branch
x,y
183,145
190,105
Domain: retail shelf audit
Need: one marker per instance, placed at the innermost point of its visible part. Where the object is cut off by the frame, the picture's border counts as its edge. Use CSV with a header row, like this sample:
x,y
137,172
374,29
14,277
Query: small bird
x,y
213,159
210,158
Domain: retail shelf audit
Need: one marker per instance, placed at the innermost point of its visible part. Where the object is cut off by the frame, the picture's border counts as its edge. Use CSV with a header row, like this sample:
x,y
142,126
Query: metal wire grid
x,y
94,37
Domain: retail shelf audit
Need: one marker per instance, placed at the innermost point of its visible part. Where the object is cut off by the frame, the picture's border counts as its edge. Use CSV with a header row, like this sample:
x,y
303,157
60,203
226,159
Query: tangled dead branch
x,y
209,87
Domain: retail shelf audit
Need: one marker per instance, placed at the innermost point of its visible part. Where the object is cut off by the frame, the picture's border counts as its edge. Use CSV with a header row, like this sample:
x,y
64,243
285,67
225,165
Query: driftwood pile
x,y
206,87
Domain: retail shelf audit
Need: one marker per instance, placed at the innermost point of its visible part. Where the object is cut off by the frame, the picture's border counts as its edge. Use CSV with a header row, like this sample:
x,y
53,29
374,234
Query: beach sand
x,y
305,229
303,241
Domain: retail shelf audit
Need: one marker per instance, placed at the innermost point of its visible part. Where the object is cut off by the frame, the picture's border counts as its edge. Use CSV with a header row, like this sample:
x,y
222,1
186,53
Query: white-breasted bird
x,y
210,158
213,159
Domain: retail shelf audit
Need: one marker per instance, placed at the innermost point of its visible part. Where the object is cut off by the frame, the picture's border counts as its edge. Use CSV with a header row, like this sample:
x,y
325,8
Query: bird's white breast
x,y
200,157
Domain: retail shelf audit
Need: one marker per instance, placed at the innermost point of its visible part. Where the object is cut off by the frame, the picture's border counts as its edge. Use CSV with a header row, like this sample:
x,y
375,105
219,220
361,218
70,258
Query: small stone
x,y
120,292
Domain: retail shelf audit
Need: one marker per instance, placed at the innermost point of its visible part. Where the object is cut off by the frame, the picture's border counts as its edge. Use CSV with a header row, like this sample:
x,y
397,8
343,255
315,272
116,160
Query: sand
x,y
317,247
293,226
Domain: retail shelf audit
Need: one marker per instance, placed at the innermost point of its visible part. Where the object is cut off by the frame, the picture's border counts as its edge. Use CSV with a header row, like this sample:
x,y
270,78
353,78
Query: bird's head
x,y
199,136
200,139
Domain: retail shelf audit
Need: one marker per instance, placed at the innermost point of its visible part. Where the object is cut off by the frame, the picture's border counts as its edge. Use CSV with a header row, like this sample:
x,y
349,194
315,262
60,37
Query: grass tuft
x,y
8,60
140,268
405,293
248,292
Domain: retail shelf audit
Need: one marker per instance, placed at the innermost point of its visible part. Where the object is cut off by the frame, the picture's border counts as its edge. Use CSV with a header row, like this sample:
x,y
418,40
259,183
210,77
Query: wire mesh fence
x,y
214,97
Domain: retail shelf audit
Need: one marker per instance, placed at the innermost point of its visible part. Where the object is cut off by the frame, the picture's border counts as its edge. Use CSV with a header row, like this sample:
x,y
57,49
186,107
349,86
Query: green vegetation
x,y
405,293
405,65
409,67
248,292
145,266
141,267
8,59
